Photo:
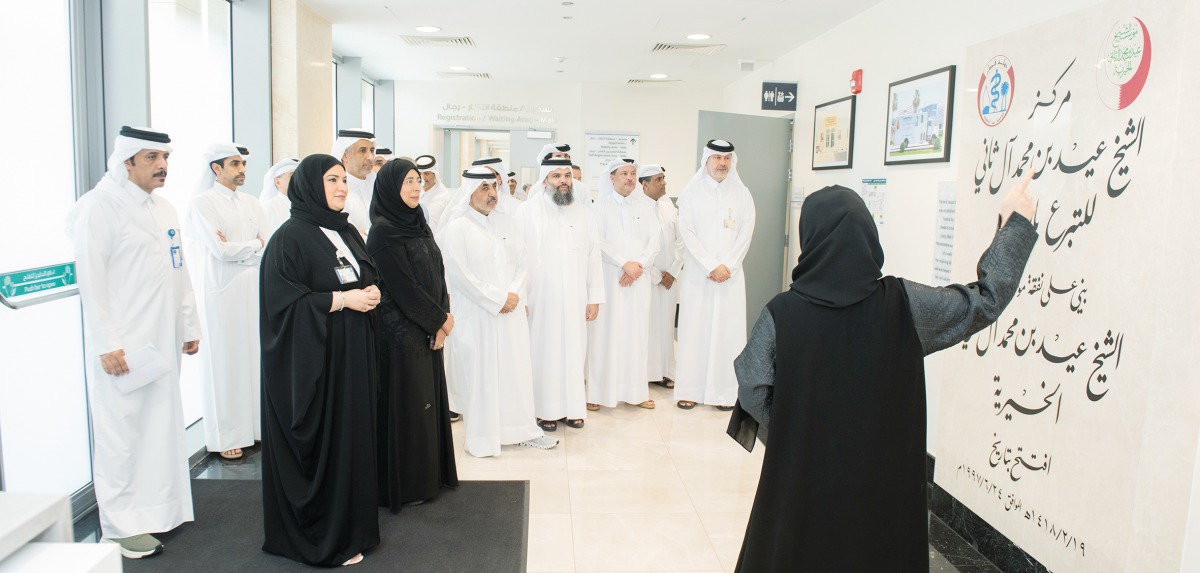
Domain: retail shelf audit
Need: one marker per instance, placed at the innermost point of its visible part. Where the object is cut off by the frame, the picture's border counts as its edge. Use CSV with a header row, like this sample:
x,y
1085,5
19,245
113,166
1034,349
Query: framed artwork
x,y
920,118
833,134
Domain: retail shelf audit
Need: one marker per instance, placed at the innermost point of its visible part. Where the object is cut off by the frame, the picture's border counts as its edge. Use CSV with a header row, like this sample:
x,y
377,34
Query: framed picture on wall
x,y
833,134
920,118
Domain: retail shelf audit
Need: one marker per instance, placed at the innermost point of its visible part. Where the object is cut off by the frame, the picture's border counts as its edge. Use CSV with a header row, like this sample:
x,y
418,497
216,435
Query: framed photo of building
x,y
920,118
833,134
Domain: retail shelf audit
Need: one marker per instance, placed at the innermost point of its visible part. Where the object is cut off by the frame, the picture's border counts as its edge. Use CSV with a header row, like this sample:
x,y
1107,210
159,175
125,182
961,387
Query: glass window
x,y
191,98
368,105
44,437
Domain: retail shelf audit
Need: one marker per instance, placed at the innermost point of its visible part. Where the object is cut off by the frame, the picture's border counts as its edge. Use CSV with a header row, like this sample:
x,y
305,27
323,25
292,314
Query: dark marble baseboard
x,y
979,534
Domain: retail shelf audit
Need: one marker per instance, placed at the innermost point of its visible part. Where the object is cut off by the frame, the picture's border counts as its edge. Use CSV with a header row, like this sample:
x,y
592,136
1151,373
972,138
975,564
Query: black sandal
x,y
665,383
548,425
576,423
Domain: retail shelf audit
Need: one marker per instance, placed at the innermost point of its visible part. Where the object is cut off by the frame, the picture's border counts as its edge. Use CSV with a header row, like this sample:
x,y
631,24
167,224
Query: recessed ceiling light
x,y
658,76
698,36
559,71
459,68
568,3
428,29
567,17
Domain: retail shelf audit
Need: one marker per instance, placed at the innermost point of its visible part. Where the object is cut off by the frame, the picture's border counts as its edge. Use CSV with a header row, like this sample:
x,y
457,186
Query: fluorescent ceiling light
x,y
698,36
658,76
459,68
428,29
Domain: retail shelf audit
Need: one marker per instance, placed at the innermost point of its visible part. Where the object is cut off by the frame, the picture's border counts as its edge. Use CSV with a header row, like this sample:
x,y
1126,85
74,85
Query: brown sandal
x,y
685,404
593,407
548,425
648,404
576,423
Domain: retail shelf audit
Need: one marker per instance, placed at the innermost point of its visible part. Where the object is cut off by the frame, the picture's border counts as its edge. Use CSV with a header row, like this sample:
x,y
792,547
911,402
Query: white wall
x,y
664,114
889,42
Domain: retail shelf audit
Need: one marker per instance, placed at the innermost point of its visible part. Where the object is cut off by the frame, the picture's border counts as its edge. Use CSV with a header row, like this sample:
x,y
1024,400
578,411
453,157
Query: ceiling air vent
x,y
640,82
474,75
697,49
439,42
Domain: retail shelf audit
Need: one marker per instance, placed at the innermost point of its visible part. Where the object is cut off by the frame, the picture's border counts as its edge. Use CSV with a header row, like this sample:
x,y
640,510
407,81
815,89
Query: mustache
x,y
160,173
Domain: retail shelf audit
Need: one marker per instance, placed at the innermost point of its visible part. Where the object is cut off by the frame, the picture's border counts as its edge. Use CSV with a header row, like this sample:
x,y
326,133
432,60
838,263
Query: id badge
x,y
346,274
729,224
176,251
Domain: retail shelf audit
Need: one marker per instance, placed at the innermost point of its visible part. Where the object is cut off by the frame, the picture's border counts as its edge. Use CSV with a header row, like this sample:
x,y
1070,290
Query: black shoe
x,y
454,416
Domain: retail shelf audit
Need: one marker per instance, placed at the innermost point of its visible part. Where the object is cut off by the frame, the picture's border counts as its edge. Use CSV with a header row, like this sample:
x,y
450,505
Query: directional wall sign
x,y
39,280
779,96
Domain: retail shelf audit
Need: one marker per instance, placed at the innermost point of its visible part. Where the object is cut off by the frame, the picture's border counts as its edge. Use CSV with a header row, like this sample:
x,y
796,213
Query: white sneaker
x,y
137,546
540,442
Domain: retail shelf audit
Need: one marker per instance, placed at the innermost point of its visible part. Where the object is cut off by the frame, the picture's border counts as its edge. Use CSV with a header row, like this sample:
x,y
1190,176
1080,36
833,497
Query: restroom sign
x,y
779,96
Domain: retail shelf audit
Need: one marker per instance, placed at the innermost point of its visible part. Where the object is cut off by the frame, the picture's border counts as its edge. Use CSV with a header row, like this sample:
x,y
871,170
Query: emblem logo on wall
x,y
1124,63
997,87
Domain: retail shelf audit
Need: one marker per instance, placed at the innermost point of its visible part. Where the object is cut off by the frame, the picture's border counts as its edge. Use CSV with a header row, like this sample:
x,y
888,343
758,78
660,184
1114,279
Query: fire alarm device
x,y
856,82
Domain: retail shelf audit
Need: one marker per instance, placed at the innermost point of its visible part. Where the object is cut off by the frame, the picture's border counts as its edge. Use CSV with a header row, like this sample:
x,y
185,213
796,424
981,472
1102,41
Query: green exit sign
x,y
39,280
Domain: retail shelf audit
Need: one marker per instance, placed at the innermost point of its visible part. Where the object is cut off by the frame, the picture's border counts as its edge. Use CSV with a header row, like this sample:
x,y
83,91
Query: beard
x,y
561,198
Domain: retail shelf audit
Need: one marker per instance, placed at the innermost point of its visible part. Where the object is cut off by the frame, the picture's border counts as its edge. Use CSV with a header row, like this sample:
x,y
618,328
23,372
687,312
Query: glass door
x,y
44,429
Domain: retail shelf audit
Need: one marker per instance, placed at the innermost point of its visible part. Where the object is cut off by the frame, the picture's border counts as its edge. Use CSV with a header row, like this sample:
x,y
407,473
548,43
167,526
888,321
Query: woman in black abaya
x,y
843,478
318,377
416,450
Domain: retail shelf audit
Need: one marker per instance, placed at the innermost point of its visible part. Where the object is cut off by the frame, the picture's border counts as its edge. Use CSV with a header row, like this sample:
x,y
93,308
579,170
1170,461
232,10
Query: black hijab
x,y
841,259
392,218
306,191
307,194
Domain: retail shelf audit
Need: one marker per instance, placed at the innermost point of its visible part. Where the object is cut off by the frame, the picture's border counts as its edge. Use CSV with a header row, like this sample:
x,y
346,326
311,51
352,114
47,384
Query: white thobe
x,y
617,339
133,297
716,223
564,277
434,203
277,209
583,192
660,361
358,201
488,358
227,288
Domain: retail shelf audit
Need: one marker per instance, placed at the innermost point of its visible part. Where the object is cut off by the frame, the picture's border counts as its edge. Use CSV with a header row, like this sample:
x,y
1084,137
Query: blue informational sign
x,y
779,96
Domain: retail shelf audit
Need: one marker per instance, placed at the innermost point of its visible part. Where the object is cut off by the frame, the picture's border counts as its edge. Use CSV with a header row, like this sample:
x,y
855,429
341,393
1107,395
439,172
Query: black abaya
x,y
843,480
416,448
319,400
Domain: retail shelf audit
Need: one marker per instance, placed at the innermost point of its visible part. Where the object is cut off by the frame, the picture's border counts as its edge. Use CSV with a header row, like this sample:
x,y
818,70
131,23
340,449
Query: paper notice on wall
x,y
602,148
943,233
873,192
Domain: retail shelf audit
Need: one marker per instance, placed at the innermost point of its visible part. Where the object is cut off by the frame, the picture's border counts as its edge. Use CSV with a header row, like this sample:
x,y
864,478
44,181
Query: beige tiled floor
x,y
634,490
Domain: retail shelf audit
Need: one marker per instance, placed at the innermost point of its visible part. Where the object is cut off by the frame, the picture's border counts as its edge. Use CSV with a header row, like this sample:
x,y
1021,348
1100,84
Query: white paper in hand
x,y
145,366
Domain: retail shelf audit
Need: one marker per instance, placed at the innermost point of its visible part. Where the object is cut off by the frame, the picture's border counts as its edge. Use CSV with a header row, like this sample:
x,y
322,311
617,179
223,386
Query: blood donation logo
x,y
997,86
1124,63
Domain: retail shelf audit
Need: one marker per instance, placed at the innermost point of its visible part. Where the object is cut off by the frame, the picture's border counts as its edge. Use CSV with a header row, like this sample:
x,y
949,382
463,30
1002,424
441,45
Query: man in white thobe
x,y
663,271
716,221
565,292
355,148
227,230
627,225
436,196
578,187
138,314
382,156
489,365
276,206
513,187
505,203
